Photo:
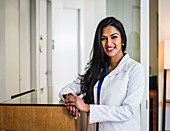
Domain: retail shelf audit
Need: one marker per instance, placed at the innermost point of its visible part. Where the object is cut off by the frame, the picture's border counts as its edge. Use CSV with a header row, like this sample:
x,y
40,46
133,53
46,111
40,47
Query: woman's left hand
x,y
73,111
74,100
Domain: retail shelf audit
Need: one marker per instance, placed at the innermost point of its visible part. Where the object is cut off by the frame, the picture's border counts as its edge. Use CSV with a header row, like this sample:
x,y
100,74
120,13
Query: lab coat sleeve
x,y
73,87
130,105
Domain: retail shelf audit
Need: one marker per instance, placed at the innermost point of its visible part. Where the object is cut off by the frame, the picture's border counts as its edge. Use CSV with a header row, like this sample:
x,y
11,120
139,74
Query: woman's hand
x,y
74,100
73,111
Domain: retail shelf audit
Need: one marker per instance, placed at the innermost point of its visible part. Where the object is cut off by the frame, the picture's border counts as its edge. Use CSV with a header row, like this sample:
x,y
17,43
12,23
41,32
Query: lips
x,y
110,48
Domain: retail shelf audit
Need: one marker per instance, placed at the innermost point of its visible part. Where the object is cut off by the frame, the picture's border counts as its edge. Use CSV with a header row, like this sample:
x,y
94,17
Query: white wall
x,y
128,12
14,47
100,10
2,51
94,12
89,27
24,45
164,34
11,47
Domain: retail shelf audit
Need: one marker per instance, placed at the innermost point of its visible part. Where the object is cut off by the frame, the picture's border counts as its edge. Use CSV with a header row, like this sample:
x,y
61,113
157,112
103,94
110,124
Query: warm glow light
x,y
167,54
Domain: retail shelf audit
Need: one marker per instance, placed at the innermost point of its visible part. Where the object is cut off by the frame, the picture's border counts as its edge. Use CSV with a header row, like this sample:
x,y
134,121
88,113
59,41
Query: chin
x,y
111,55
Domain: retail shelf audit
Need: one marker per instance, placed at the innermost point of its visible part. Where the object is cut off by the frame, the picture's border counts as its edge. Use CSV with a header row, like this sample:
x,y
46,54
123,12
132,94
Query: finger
x,y
66,100
68,107
70,110
77,113
74,111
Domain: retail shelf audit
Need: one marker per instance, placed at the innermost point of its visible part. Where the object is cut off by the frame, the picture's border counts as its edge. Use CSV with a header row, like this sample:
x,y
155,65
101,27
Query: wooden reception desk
x,y
37,111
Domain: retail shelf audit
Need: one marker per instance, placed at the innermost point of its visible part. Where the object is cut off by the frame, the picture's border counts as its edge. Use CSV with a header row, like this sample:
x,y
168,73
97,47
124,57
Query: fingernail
x,y
79,114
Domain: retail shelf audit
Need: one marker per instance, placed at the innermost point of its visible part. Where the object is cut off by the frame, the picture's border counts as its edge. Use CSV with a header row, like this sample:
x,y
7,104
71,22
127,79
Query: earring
x,y
122,43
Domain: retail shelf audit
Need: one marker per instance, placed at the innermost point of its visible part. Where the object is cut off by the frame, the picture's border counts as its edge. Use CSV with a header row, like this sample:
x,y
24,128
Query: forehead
x,y
108,30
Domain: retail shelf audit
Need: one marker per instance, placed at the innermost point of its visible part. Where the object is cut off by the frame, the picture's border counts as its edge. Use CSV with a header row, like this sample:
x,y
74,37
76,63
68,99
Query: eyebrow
x,y
114,34
111,34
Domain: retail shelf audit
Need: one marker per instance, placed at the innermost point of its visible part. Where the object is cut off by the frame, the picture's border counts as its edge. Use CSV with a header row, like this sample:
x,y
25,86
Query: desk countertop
x,y
44,97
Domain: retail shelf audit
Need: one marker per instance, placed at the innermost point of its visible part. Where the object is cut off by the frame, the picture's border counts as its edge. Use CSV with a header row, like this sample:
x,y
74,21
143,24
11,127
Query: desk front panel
x,y
36,118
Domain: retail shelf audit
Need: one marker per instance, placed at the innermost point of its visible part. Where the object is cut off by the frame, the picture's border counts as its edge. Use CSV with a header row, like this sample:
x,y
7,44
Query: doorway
x,y
153,65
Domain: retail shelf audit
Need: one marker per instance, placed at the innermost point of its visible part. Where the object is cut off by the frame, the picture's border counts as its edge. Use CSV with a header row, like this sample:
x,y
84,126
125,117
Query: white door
x,y
67,48
65,54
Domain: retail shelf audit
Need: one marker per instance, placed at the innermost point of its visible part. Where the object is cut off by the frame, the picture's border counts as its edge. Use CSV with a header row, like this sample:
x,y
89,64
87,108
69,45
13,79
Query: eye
x,y
103,38
113,37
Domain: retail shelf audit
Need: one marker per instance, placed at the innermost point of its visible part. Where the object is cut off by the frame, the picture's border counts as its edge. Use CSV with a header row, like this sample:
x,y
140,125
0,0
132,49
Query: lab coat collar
x,y
122,66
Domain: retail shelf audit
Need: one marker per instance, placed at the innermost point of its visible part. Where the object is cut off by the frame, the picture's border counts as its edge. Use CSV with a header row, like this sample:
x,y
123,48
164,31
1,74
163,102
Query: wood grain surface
x,y
36,118
153,111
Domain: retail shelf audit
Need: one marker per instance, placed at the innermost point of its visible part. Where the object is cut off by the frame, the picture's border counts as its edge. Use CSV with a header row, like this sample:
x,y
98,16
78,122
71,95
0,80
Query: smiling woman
x,y
115,103
26,67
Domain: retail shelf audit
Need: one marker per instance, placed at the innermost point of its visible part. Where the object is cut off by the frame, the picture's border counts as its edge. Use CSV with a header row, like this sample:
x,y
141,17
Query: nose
x,y
109,41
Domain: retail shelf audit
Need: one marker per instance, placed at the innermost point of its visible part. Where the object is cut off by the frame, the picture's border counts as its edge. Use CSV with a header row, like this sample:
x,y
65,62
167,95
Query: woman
x,y
113,83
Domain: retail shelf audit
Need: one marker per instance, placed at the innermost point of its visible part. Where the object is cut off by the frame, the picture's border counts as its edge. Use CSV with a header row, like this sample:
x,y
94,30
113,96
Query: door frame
x,y
35,58
144,59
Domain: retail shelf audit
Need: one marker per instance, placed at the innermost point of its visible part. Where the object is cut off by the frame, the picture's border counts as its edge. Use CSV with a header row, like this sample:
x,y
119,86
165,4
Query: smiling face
x,y
112,42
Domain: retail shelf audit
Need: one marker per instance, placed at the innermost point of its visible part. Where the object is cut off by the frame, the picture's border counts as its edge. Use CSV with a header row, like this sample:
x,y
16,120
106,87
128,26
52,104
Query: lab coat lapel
x,y
122,66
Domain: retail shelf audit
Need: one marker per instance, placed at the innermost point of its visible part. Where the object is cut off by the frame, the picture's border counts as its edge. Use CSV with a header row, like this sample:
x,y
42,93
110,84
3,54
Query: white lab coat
x,y
120,98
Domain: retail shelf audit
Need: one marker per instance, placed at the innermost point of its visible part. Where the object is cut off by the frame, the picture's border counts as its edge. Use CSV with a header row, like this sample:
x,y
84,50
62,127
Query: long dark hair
x,y
96,67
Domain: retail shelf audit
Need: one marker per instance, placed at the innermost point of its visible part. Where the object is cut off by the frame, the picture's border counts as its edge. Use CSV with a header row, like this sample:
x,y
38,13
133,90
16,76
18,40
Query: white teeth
x,y
110,48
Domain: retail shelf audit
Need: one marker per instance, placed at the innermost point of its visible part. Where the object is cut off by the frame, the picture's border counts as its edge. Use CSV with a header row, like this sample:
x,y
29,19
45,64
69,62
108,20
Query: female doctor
x,y
113,83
